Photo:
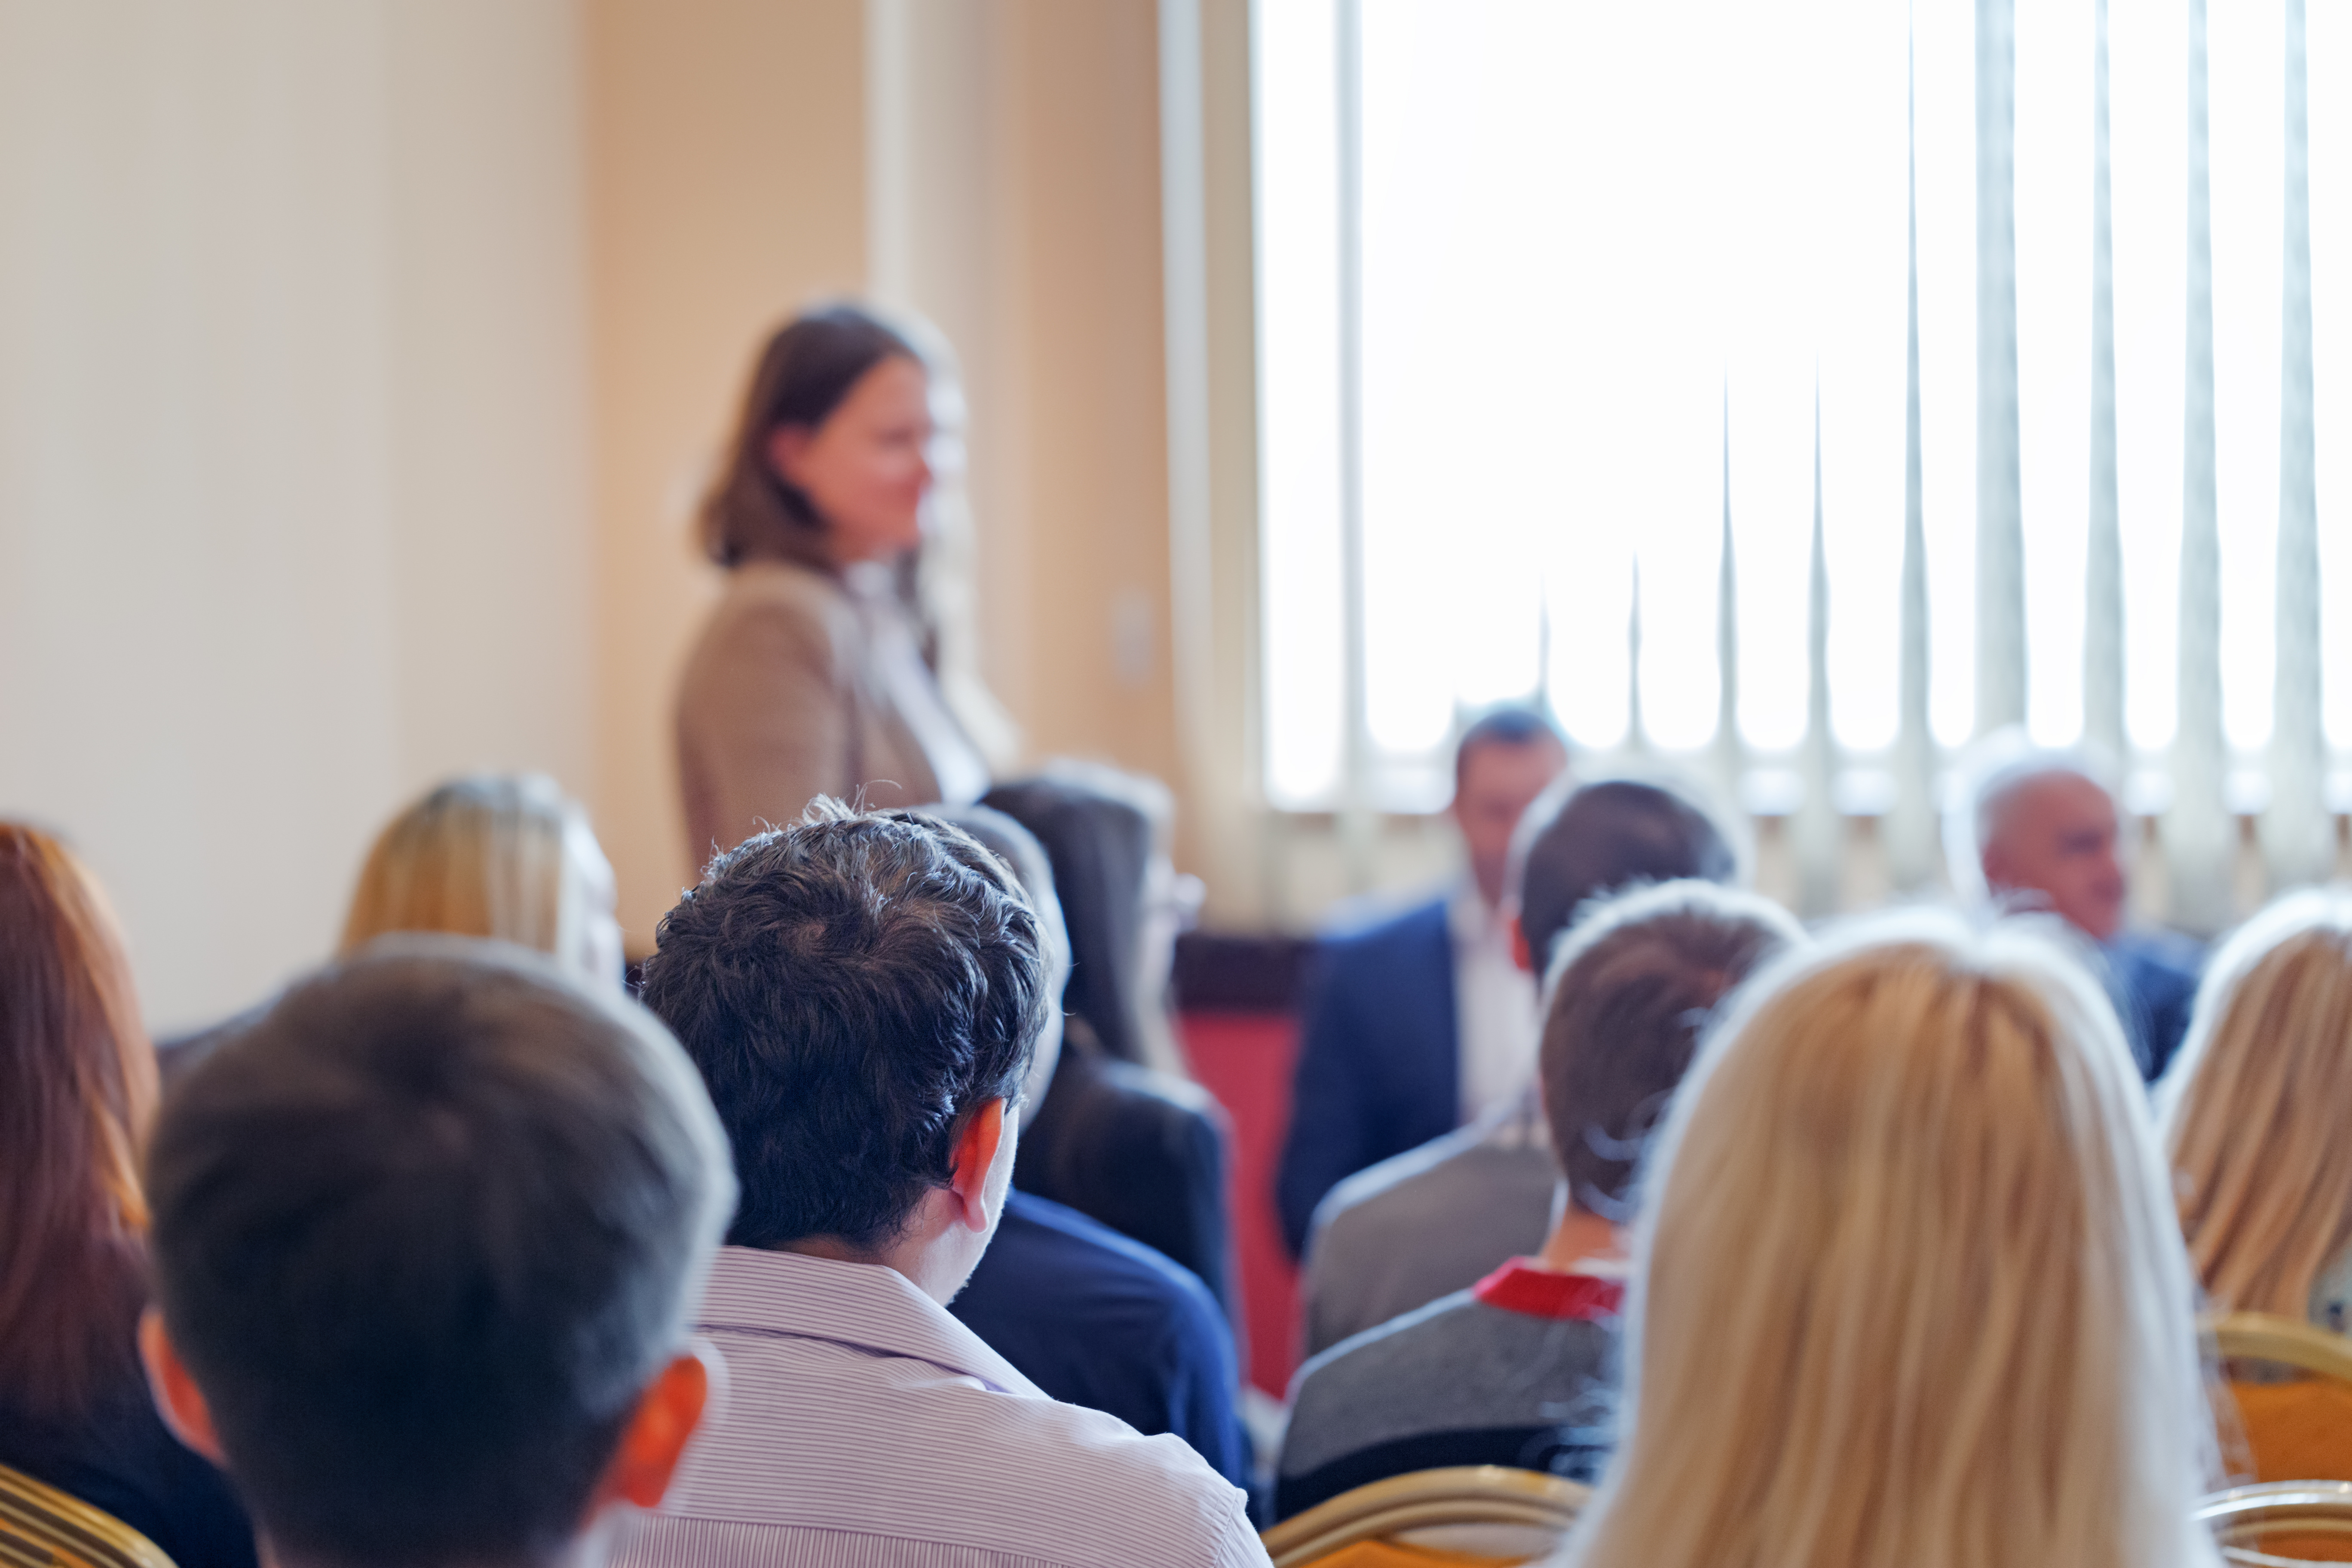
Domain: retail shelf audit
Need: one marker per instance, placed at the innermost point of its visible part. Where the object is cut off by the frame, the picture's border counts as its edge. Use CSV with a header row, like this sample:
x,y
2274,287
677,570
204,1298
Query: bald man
x,y
2047,836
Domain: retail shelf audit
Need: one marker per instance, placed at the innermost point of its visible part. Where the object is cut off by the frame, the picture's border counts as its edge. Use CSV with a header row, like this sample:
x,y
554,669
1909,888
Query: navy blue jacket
x,y
119,1458
1093,1319
1378,1054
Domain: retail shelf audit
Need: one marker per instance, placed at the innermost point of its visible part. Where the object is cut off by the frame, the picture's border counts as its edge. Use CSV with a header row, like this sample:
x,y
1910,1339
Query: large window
x,y
1556,301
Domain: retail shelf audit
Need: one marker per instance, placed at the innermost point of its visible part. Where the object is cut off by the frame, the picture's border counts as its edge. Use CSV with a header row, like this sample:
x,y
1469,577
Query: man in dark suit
x,y
1424,1021
2039,831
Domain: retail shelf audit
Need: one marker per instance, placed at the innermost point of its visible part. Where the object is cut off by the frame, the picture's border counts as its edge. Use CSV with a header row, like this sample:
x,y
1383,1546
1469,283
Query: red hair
x,y
78,1089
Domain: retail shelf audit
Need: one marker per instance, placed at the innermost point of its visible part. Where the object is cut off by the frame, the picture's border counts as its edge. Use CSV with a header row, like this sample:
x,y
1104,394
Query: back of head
x,y
1909,1286
1025,859
1634,984
1099,834
854,988
77,1091
1580,841
2257,1103
423,1232
482,855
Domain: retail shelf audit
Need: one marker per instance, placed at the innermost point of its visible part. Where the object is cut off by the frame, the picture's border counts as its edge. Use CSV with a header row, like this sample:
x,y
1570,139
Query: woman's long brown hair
x,y
78,1089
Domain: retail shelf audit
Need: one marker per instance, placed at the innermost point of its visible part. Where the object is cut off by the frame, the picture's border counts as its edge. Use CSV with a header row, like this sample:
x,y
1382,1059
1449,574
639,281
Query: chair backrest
x,y
2290,1341
1496,1512
2297,1428
41,1527
2303,1521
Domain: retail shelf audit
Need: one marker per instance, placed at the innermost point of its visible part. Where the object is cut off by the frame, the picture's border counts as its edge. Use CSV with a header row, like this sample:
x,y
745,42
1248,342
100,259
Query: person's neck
x,y
916,1263
1579,1237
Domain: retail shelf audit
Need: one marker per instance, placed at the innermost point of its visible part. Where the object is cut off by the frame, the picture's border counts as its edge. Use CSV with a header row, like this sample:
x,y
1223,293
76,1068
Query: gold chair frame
x,y
2289,1341
41,1527
1463,1495
2243,1515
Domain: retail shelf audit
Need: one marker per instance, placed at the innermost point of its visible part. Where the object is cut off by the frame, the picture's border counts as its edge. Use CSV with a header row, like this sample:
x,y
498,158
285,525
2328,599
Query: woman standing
x,y
811,677
77,1091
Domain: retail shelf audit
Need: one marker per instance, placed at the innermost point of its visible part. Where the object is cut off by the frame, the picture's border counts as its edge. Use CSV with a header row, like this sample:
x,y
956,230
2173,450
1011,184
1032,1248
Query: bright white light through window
x,y
1592,238
1298,400
2327,46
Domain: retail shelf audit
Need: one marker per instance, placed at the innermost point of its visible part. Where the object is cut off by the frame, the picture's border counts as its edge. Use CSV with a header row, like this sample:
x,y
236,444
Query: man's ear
x,y
975,1155
667,1415
178,1400
1521,954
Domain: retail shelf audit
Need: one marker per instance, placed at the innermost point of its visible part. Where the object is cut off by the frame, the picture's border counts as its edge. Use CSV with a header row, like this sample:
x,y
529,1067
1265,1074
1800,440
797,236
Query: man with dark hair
x,y
1520,1368
428,1235
1422,1022
1437,1218
863,993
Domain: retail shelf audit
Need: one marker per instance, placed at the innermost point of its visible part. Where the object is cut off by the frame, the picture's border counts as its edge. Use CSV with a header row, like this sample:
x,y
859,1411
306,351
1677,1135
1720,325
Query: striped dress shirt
x,y
864,1426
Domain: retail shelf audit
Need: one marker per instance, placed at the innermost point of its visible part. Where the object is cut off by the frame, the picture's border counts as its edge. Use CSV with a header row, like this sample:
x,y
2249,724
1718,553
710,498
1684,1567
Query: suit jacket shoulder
x,y
1379,1068
1136,1150
1095,1318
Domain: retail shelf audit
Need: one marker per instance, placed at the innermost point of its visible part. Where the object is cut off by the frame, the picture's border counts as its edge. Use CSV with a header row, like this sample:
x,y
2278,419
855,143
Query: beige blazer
x,y
803,686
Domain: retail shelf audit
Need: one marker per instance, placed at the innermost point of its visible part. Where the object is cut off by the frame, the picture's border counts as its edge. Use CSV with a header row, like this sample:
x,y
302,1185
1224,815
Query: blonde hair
x,y
1909,1291
2256,1104
490,855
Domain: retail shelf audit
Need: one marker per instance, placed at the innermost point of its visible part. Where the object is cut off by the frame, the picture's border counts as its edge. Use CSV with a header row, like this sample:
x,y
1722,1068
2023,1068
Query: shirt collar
x,y
867,1306
1473,923
1520,1285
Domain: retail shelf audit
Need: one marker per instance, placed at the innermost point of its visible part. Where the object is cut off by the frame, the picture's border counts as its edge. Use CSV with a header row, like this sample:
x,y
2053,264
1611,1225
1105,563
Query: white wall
x,y
293,509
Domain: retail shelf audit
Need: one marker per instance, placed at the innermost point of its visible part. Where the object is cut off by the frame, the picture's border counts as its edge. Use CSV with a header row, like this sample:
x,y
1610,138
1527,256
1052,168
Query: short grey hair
x,y
1987,782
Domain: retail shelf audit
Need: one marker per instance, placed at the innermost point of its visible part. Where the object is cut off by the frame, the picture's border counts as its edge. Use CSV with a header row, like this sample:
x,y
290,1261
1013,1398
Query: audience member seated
x,y
1437,1219
1425,1020
1089,1316
429,1235
1122,1136
1908,1287
863,991
1521,1369
76,1090
2258,1120
2038,830
508,856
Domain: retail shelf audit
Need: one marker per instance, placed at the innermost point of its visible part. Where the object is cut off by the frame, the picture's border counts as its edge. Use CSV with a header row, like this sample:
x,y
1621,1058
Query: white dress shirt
x,y
863,1426
1494,1005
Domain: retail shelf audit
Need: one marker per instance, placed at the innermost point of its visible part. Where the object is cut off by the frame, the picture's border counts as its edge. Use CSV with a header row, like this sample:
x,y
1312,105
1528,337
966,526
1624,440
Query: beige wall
x,y
292,491
726,187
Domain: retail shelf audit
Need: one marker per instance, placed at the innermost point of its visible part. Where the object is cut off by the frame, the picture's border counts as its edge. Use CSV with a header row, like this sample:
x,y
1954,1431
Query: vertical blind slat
x,y
2195,831
2297,836
2001,539
2102,617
